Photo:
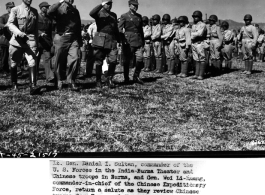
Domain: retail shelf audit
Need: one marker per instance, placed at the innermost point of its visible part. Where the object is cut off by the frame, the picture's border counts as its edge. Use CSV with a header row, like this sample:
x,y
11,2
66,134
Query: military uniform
x,y
147,47
184,43
215,39
228,48
5,36
166,36
45,43
105,42
133,38
156,43
92,29
24,19
261,46
67,42
248,36
198,37
174,49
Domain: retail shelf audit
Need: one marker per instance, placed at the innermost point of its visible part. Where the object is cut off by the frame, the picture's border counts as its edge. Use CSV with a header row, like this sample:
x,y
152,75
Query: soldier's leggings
x,y
4,58
147,50
16,55
67,50
157,49
129,53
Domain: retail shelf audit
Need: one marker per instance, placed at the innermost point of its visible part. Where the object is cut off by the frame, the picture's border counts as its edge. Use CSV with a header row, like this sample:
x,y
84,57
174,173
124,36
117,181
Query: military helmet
x,y
166,17
175,21
197,14
214,18
145,19
156,17
225,23
248,17
183,19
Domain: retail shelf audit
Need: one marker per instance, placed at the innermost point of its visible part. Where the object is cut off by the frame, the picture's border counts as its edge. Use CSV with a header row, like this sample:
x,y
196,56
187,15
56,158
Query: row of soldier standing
x,y
30,34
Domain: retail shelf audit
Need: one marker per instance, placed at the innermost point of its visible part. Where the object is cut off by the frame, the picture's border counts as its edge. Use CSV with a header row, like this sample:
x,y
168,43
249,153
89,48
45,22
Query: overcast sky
x,y
224,9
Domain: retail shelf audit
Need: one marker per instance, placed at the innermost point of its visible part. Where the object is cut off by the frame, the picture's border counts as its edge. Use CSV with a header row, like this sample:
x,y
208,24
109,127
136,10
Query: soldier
x,y
167,32
105,40
147,48
45,41
261,45
156,41
5,38
67,41
248,36
216,39
23,23
228,39
133,40
198,37
173,47
184,44
92,29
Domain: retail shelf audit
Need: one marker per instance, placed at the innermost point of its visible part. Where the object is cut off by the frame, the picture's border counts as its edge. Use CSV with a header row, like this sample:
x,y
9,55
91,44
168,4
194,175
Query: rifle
x,y
163,52
152,52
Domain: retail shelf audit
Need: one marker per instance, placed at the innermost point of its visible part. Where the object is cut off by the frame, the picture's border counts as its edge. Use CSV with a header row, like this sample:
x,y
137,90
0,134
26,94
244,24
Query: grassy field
x,y
224,113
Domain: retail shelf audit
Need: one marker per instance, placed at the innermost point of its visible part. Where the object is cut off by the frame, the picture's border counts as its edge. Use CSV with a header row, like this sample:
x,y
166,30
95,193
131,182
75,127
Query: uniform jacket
x,y
228,36
167,31
6,31
67,19
25,20
133,29
107,28
156,32
214,31
249,32
261,38
198,32
147,33
184,37
45,26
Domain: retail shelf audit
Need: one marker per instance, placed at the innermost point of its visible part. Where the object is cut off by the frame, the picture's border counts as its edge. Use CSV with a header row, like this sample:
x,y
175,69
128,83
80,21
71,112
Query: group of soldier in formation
x,y
169,46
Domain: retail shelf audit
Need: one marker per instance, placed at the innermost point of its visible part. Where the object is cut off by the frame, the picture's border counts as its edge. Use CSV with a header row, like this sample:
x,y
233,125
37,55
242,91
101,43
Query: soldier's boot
x,y
166,67
126,71
177,65
246,67
111,73
158,65
145,64
14,78
250,67
213,68
33,80
197,70
148,65
229,65
136,75
98,76
262,57
184,69
226,65
171,67
153,64
218,67
202,70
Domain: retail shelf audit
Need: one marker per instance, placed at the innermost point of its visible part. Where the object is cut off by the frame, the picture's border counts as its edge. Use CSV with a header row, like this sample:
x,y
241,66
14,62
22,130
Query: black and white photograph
x,y
100,76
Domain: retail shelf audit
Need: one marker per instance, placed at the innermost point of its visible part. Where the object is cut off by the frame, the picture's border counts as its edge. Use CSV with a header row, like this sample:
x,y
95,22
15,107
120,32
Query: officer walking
x,y
45,41
23,23
248,36
184,45
198,37
156,41
67,41
166,37
5,38
216,40
147,48
105,41
227,51
133,40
